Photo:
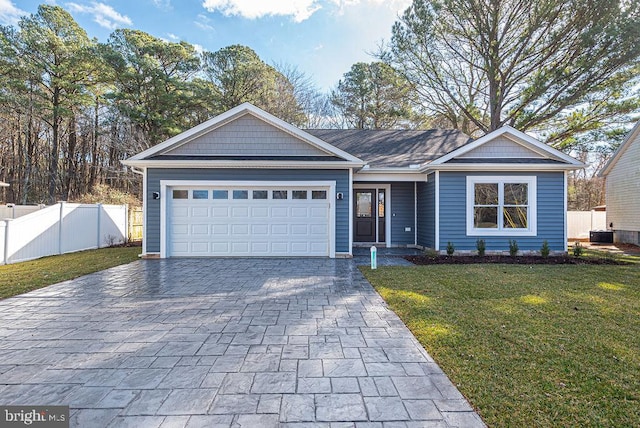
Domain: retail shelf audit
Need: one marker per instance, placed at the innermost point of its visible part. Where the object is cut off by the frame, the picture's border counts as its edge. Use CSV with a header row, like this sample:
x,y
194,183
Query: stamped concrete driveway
x,y
222,342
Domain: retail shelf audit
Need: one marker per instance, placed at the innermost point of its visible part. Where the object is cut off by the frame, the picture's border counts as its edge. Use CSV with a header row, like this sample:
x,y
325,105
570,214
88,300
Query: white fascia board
x,y
631,136
237,112
541,147
501,167
389,174
240,164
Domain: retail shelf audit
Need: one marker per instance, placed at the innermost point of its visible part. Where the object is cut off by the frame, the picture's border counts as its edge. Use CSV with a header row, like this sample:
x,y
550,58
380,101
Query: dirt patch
x,y
518,260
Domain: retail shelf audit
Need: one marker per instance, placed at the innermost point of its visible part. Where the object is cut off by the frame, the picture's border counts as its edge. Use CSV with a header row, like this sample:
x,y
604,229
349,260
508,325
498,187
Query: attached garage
x,y
240,219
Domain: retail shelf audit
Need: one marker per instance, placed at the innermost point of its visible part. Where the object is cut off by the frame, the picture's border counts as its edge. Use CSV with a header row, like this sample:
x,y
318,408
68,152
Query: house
x,y
246,183
622,175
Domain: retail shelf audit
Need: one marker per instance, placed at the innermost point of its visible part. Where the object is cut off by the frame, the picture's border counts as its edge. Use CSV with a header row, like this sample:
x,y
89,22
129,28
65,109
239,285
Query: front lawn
x,y
22,277
536,345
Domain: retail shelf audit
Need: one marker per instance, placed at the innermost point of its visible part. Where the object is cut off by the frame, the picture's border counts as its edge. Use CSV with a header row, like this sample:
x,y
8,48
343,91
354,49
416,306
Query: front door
x,y
365,215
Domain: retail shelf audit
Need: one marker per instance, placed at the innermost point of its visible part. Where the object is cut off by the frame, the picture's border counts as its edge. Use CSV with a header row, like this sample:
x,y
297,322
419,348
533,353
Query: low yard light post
x,y
374,257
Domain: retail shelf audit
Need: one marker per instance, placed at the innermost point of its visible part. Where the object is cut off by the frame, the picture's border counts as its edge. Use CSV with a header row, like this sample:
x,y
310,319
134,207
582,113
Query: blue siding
x,y
550,209
427,212
154,175
402,213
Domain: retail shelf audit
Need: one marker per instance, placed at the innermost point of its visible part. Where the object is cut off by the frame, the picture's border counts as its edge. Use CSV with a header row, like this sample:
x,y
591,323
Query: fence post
x,y
99,206
6,241
60,228
126,223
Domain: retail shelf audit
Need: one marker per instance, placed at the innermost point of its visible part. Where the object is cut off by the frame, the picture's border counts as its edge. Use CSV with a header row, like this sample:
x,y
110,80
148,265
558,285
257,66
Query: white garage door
x,y
248,221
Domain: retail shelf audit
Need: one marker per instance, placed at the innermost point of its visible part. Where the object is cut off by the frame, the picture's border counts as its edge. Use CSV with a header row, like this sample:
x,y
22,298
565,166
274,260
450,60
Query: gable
x,y
501,147
246,135
505,148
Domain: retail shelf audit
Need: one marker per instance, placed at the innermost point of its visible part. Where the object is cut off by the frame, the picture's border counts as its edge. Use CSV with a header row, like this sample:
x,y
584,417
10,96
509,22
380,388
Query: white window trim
x,y
166,185
532,216
387,209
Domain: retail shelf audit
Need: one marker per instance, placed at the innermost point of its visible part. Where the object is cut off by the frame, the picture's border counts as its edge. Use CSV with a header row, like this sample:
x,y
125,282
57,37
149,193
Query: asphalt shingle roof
x,y
393,148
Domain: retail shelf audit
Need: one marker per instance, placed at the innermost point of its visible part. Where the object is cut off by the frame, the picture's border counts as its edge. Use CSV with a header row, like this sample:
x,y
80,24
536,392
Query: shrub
x,y
431,253
450,248
578,249
545,250
513,248
481,246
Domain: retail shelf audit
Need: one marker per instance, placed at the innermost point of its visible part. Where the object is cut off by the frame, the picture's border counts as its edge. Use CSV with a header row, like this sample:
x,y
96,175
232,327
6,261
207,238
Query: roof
x,y
631,136
393,148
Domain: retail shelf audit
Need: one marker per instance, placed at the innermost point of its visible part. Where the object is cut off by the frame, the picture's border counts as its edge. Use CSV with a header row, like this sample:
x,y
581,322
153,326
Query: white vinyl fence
x,y
15,211
62,228
580,223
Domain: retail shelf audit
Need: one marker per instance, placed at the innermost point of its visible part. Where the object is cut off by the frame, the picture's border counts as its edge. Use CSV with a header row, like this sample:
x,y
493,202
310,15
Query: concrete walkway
x,y
222,342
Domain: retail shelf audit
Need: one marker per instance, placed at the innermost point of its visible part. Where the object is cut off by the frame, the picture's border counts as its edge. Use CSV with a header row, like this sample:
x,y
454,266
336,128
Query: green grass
x,y
538,345
22,277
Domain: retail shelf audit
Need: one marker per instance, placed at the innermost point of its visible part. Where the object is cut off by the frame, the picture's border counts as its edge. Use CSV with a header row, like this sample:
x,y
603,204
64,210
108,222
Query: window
x,y
240,194
220,194
260,194
279,194
299,194
180,194
200,194
501,206
318,194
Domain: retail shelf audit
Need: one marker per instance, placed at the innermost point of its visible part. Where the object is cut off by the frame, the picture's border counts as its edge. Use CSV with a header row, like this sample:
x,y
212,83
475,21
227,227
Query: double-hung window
x,y
503,206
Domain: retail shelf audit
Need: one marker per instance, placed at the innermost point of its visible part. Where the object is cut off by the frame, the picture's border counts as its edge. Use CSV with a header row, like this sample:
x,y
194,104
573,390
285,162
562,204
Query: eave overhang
x,y
271,164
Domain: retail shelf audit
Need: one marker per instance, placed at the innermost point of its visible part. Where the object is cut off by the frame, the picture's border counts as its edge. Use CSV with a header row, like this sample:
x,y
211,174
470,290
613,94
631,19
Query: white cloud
x,y
173,36
105,15
9,13
252,9
162,4
299,10
203,26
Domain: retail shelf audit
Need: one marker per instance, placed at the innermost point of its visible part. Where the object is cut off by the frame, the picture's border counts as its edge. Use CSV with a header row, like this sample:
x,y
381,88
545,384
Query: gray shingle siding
x,y
427,212
154,175
550,209
402,213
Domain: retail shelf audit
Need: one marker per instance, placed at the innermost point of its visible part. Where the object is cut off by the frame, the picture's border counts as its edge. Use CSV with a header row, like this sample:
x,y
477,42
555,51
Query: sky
x,y
322,38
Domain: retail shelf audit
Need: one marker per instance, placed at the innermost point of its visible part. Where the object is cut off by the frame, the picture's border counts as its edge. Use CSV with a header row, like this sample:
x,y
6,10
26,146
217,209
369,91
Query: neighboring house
x,y
622,175
246,183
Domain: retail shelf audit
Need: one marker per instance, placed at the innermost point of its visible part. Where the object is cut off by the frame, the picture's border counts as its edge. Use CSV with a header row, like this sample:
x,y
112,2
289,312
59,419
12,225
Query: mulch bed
x,y
518,260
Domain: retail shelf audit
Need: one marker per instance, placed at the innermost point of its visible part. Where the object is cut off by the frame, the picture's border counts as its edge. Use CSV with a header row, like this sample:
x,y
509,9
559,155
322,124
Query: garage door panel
x,y
240,212
279,229
318,229
299,212
220,212
318,212
259,229
248,227
299,229
220,247
260,248
260,212
240,229
240,248
180,212
200,248
280,247
279,212
180,229
200,212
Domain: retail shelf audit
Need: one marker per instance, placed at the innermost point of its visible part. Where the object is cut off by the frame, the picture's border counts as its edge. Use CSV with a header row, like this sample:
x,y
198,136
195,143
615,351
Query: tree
x,y
59,61
374,96
557,67
152,80
241,76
